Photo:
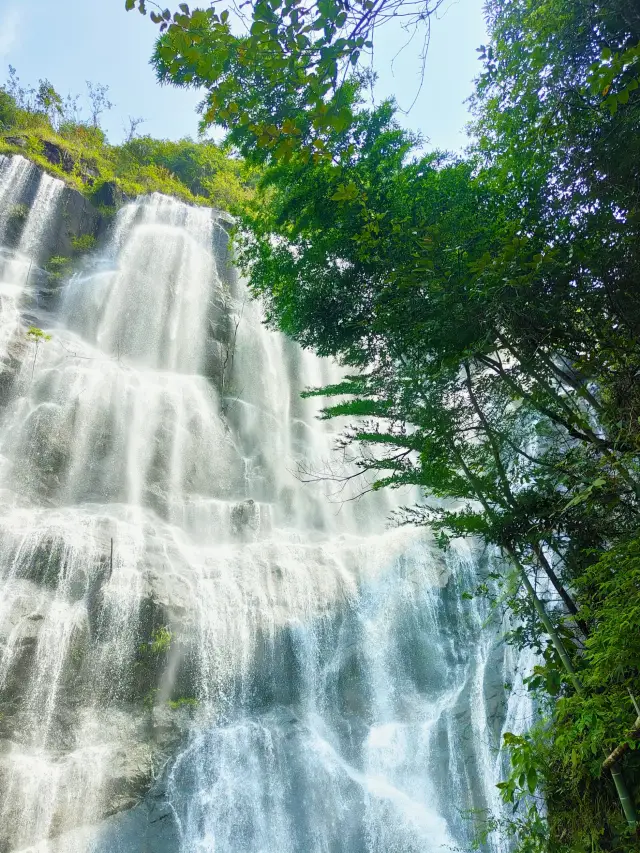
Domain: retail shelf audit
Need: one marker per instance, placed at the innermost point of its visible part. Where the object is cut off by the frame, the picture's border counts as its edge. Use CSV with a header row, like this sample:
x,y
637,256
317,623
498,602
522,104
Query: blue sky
x,y
71,41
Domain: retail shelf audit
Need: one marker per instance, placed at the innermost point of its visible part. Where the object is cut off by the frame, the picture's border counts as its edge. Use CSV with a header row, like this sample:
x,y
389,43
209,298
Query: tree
x,y
8,110
24,97
278,84
487,306
98,101
49,101
132,128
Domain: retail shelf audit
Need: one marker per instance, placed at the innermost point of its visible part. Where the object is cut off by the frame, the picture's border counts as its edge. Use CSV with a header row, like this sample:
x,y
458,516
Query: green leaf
x,y
345,192
532,780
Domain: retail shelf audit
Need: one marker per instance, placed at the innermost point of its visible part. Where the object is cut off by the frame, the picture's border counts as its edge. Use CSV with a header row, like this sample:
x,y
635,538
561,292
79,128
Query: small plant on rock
x,y
37,336
83,243
58,266
183,702
18,213
159,644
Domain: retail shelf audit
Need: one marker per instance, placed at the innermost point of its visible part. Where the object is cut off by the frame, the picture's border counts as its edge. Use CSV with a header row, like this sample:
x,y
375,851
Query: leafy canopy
x,y
274,73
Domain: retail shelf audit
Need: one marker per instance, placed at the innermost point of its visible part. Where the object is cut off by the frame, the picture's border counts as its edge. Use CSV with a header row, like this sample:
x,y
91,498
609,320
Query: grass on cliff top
x,y
196,172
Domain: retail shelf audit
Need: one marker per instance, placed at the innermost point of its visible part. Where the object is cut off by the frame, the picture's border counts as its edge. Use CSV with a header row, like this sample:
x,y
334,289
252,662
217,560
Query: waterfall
x,y
198,651
15,175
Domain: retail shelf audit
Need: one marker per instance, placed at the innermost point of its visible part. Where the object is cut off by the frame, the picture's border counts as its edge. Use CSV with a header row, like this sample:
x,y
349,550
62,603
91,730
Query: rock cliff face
x,y
197,651
75,215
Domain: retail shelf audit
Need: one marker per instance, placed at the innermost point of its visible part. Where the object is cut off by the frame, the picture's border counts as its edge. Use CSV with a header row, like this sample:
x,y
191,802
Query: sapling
x,y
37,336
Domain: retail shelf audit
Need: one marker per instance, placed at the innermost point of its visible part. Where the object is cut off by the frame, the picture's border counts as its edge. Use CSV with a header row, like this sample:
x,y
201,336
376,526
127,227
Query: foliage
x,y
43,100
99,101
149,700
610,588
197,172
48,101
524,825
8,111
569,748
203,168
18,213
159,643
58,266
526,831
83,243
556,768
37,335
278,83
526,767
189,702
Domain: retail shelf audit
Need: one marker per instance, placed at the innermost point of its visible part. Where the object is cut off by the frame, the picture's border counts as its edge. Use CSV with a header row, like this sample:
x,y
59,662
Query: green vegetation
x,y
16,218
486,309
58,266
151,660
37,336
40,125
18,213
277,86
183,702
208,173
159,644
83,243
149,700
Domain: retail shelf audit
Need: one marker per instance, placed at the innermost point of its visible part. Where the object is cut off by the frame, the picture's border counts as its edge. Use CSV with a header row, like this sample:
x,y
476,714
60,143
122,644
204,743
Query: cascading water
x,y
16,174
199,652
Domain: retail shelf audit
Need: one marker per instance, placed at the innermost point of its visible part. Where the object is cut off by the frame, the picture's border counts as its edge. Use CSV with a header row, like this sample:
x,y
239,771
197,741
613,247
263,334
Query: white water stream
x,y
259,669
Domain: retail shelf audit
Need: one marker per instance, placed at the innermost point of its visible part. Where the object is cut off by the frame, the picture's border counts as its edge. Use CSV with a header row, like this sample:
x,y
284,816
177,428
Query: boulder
x,y
109,194
89,171
58,156
19,141
78,217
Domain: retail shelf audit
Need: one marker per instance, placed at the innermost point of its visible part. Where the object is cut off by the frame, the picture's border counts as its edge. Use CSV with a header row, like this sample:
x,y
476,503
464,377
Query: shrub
x,y
561,757
83,134
183,702
159,644
18,213
83,243
58,266
8,111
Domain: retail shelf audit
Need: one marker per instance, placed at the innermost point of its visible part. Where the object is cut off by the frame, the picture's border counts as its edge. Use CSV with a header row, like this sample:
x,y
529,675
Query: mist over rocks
x,y
197,649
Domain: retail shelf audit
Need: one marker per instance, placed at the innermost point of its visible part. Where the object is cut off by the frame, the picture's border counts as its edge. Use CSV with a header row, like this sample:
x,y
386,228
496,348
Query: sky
x,y
72,41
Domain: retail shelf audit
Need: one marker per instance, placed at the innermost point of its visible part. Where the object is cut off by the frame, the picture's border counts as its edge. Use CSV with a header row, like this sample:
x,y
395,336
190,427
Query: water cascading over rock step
x,y
258,669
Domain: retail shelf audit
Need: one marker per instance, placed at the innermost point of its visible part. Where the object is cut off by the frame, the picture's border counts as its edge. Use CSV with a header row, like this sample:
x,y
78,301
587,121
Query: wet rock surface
x,y
196,649
57,155
110,195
